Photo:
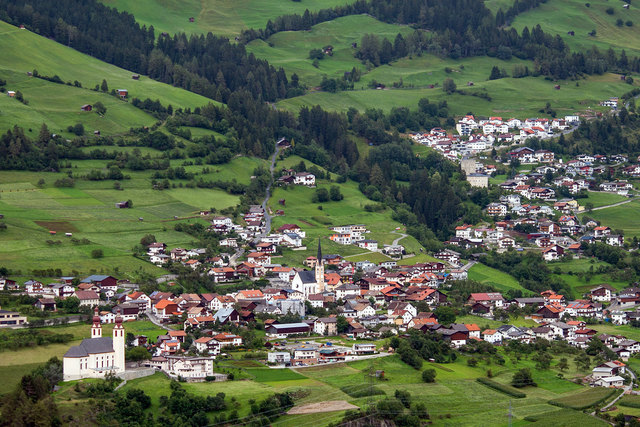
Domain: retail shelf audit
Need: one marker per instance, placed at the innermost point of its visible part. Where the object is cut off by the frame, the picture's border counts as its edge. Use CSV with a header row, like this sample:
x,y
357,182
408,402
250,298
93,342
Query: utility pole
x,y
510,414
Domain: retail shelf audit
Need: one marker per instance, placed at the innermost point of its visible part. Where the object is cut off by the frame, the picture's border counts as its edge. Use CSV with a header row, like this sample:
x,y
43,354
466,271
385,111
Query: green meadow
x,y
88,211
59,105
28,51
510,97
495,278
223,17
456,398
290,49
562,16
623,217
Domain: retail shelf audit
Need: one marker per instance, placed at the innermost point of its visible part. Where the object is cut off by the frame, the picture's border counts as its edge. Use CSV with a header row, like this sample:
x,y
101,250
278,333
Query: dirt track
x,y
329,406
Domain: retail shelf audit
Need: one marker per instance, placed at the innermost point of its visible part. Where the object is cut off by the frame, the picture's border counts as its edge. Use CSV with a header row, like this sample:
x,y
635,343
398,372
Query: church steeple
x,y
319,271
96,328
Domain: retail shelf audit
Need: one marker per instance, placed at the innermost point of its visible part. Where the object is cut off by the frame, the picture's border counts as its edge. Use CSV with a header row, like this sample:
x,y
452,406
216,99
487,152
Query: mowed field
x,y
562,16
456,398
290,49
224,17
88,211
623,217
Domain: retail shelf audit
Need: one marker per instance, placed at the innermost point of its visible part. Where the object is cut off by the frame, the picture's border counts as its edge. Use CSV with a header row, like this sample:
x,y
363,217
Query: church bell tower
x,y
319,270
96,328
118,344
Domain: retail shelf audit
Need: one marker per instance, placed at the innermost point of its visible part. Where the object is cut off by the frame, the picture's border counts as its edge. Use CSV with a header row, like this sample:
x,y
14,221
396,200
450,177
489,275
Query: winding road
x,y
265,202
402,236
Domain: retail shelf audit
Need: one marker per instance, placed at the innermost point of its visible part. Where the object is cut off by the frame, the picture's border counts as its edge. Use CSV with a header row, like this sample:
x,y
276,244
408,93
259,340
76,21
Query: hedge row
x,y
586,405
362,390
629,402
502,388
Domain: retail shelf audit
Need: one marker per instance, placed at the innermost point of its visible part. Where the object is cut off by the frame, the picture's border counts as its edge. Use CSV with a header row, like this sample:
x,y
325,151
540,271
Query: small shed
x,y
52,232
192,19
96,132
123,93
11,93
136,77
68,234
557,87
122,205
86,107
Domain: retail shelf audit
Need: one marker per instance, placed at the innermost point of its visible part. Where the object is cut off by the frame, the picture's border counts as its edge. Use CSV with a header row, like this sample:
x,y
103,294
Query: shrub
x,y
97,253
362,390
523,378
429,375
502,388
610,11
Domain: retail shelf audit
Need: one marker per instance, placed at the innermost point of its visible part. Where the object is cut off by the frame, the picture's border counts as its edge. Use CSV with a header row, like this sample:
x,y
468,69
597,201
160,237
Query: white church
x,y
311,282
97,356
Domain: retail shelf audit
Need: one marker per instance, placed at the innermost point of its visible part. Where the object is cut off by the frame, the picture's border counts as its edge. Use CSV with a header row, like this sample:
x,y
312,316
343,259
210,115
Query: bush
x,y
429,375
502,388
610,11
587,399
362,390
523,378
97,253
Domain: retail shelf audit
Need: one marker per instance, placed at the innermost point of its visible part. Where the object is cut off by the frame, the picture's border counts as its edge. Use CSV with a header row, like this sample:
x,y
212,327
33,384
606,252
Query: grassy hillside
x,y
454,399
290,49
316,218
58,106
622,217
88,211
510,97
562,16
25,51
225,17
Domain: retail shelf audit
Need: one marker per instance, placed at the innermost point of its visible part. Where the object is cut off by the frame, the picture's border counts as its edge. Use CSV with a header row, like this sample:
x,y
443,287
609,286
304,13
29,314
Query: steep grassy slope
x,y
290,49
24,51
562,16
225,17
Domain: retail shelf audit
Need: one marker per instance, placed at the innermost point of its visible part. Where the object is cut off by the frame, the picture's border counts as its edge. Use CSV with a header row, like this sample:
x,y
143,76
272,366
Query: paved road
x,y
152,317
468,265
267,216
610,206
402,236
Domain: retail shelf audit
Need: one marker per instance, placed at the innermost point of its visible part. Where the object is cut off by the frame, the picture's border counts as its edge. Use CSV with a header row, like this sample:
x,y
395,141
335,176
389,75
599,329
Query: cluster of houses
x,y
354,235
532,127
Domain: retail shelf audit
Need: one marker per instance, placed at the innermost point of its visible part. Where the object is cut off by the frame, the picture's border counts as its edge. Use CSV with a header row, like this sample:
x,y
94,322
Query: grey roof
x,y
289,325
95,278
307,276
91,346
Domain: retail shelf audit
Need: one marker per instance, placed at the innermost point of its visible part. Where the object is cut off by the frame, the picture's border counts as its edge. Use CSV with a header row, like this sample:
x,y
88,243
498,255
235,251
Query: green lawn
x,y
225,17
599,198
622,217
490,276
267,375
